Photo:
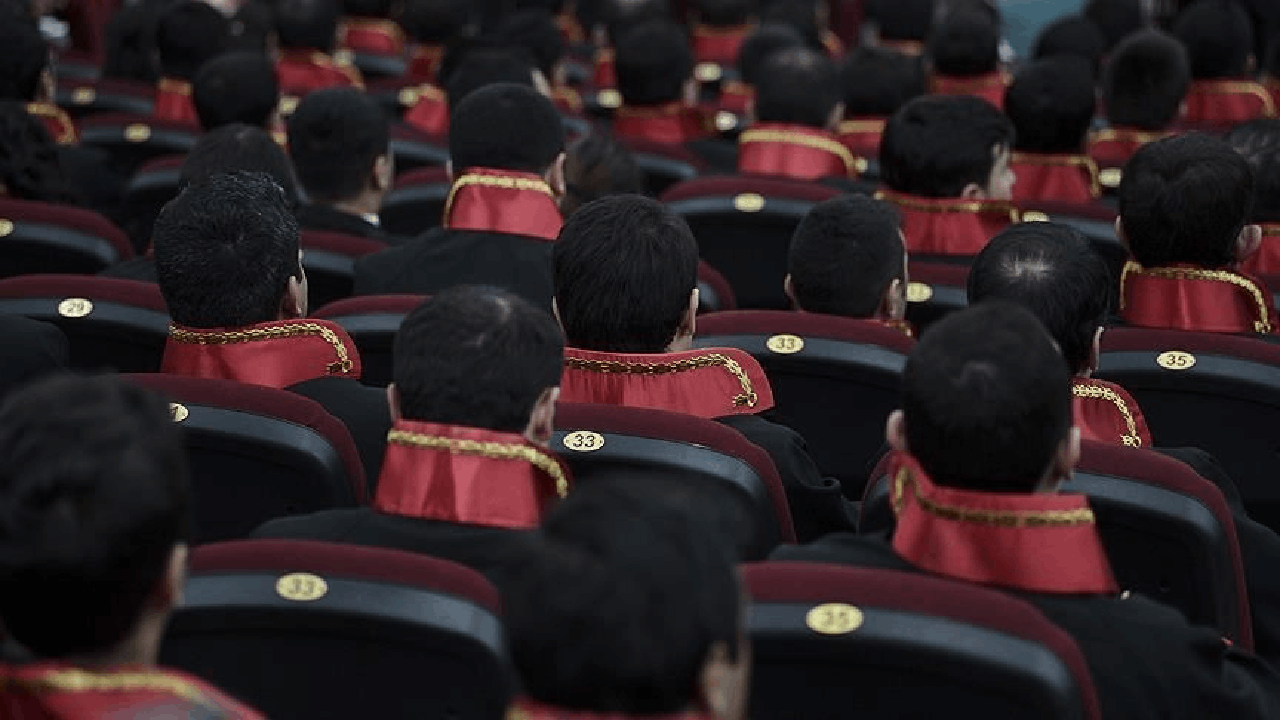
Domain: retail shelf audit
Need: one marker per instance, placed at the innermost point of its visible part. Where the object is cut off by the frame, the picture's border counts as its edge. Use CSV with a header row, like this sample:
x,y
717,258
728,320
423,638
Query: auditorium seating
x,y
372,322
663,165
39,237
415,203
415,149
329,260
153,185
936,287
130,140
81,97
714,292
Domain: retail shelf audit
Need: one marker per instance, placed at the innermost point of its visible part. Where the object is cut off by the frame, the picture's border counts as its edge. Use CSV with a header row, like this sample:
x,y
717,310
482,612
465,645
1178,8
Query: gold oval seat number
x,y
137,133
583,441
301,587
75,307
834,619
918,292
785,344
1176,360
748,202
178,412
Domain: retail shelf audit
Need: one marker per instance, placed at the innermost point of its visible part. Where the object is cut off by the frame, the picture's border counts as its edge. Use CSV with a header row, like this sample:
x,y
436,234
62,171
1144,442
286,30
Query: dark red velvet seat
x,y
937,287
414,149
714,291
372,322
39,237
111,323
663,165
416,203
258,453
130,140
82,97
329,260
153,185
304,629
830,642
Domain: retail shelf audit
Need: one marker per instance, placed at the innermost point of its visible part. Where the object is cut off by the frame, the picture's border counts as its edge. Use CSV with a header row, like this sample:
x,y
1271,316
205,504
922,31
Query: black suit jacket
x,y
327,219
363,409
31,349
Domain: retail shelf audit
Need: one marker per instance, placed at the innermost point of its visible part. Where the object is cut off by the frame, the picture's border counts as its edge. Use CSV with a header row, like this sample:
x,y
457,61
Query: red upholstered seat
x,y
714,292
130,139
153,185
81,97
329,259
663,164
372,322
39,237
416,203
937,287
900,644
415,149
311,629
258,453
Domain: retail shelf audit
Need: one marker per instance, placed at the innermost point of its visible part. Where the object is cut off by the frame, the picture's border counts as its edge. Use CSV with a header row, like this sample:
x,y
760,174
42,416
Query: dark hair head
x,y
482,133
536,33
1051,270
476,356
596,165
251,26
225,249
844,254
235,88
435,22
1218,37
188,34
335,136
761,44
1145,81
1258,141
986,399
1116,19
653,60
724,13
799,86
1051,104
29,165
367,8
802,15
23,56
619,16
130,39
307,24
624,268
1184,200
902,19
482,67
936,145
1073,36
620,607
237,147
94,496
876,81
965,43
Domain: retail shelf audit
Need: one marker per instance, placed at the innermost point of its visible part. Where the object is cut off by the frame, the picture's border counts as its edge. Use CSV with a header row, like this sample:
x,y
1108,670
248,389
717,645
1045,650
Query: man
x,y
25,75
1218,35
430,26
983,440
874,83
626,296
466,69
93,553
473,365
237,88
230,269
306,31
964,55
501,218
737,96
188,34
367,28
721,28
1051,104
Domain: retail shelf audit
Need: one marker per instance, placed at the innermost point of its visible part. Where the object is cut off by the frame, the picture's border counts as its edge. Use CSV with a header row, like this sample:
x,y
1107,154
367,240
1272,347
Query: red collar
x,y
503,201
428,109
173,101
673,123
276,354
949,226
300,71
989,87
1107,413
467,475
1188,298
793,151
719,44
425,61
55,120
526,709
1046,176
1034,542
376,35
1228,101
708,382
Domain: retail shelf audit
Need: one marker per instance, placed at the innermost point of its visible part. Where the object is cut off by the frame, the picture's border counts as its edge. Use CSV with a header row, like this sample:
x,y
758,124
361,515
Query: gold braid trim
x,y
861,126
998,518
174,85
748,396
961,84
1127,135
1099,392
1261,326
77,680
506,183
1271,231
950,205
1083,162
491,450
816,143
230,337
1239,87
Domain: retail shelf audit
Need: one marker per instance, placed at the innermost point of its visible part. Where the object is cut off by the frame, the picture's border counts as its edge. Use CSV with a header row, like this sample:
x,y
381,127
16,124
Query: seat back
x,y
372,322
155,184
663,164
329,259
938,287
39,237
905,645
81,97
714,292
416,203
304,629
1095,220
130,140
258,453
415,149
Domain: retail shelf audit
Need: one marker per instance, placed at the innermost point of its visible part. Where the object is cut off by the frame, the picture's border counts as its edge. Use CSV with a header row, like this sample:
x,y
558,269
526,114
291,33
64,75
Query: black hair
x,y
225,249
844,254
239,147
1053,271
799,86
551,6
934,146
483,66
1116,19
620,607
435,21
1145,81
1184,200
188,34
1073,36
476,356
29,165
1218,37
877,81
23,57
902,19
335,137
94,496
1051,104
535,32
724,13
620,16
237,87
965,43
801,15
653,60
597,165
624,268
1258,141
482,132
367,8
130,39
761,44
307,24
251,26
986,399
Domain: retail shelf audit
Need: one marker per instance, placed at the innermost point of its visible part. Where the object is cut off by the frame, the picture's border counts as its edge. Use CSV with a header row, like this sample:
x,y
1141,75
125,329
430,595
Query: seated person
x,y
535,33
1051,104
810,18
737,96
472,365
900,25
188,34
93,555
985,430
307,31
720,28
626,296
237,88
964,56
875,82
367,27
430,25
596,165
465,70
340,145
1258,142
25,75
230,269
945,161
31,168
1184,203
501,218
1072,36
614,19
1218,36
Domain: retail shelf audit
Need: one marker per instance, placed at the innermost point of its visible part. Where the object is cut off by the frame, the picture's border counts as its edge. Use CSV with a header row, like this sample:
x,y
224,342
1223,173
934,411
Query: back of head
x,y
225,249
595,166
653,61
622,605
87,527
335,137
986,399
1145,81
934,146
876,82
844,254
535,33
476,356
367,8
130,39
620,16
724,13
1184,200
909,20
23,57
761,44
1073,36
1116,19
481,67
801,15
625,266
1051,270
29,165
307,24
484,133
965,43
435,22
235,88
1258,141
799,86
237,147
188,34
1051,104
1218,37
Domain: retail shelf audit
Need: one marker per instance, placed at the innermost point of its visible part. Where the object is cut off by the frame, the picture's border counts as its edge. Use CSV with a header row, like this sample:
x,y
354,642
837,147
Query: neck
x,y
141,647
366,203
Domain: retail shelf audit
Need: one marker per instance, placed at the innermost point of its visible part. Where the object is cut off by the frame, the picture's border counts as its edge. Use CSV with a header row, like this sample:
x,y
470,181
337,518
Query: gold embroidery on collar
x,y
498,181
748,396
861,126
1101,392
491,450
173,85
78,680
1261,326
278,332
1239,87
1084,162
810,141
66,129
710,31
998,518
950,204
1271,230
982,82
1127,135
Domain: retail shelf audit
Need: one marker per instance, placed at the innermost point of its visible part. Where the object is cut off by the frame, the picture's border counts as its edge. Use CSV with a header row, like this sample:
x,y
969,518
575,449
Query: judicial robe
x,y
56,122
51,690
1193,298
1107,413
1266,261
374,36
949,226
1064,177
1227,102
301,71
173,101
989,87
326,218
862,136
1112,147
795,152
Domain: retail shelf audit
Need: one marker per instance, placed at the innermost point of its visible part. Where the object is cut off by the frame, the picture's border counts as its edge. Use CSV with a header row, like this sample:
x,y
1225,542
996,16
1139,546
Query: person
x,y
626,296
901,25
1258,141
25,75
306,31
472,365
501,217
597,165
367,27
30,168
430,26
1072,36
1184,204
467,68
720,29
609,20
964,56
230,269
1116,19
238,87
811,18
1051,104
188,34
629,608
1218,36
737,95
945,162
536,33
93,554
985,434
874,83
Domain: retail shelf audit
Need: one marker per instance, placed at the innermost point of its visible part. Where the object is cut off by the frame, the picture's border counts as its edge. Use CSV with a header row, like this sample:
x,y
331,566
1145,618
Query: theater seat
x,y
329,260
82,97
714,292
1096,220
372,321
937,287
258,453
415,149
153,185
416,203
304,629
663,164
130,140
39,237
1168,532
832,642
110,323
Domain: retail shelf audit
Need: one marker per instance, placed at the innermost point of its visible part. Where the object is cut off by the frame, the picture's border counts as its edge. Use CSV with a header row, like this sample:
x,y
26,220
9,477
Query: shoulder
x,y
845,549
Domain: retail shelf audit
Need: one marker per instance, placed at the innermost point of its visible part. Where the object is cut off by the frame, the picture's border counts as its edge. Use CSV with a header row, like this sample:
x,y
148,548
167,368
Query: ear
x,y
749,112
789,290
895,431
1248,242
383,172
1065,459
722,683
690,91
555,313
683,339
542,419
973,191
294,303
836,115
448,169
894,303
1095,351
167,593
47,89
1120,235
555,176
393,402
